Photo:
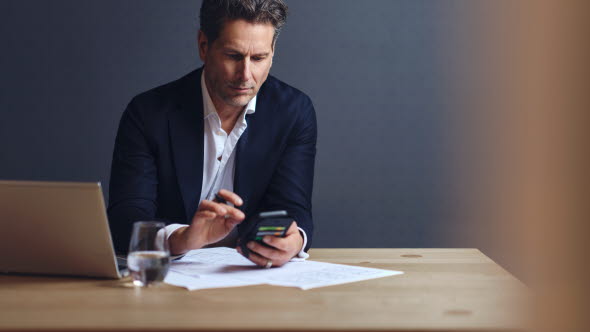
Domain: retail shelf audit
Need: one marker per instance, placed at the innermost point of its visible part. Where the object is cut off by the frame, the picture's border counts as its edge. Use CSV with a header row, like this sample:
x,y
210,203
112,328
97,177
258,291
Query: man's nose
x,y
244,70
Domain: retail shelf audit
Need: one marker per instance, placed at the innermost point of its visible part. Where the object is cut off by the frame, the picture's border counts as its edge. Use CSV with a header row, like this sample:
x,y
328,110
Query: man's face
x,y
237,62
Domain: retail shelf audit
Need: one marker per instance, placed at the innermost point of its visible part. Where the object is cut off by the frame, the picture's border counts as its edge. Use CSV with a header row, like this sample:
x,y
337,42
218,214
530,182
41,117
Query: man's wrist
x,y
181,241
301,255
177,242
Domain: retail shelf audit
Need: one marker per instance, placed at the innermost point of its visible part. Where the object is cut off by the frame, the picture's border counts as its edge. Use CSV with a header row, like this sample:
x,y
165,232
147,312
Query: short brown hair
x,y
215,12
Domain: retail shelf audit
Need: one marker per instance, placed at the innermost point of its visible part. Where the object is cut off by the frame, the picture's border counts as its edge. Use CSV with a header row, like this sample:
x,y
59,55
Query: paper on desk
x,y
225,267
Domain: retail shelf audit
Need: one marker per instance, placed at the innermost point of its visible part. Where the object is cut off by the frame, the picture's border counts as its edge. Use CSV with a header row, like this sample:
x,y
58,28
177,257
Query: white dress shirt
x,y
219,161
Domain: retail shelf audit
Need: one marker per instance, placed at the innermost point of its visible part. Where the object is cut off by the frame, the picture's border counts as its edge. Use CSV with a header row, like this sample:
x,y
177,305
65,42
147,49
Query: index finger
x,y
230,197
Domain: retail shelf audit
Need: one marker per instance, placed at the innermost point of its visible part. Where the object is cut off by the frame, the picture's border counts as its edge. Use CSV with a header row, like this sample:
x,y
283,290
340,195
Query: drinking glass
x,y
149,255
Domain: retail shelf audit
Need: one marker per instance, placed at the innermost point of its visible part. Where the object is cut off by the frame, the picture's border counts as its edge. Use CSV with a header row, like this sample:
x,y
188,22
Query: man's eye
x,y
235,56
257,58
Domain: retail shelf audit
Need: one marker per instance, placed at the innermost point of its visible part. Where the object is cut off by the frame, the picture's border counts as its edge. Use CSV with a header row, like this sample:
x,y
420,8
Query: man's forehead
x,y
243,36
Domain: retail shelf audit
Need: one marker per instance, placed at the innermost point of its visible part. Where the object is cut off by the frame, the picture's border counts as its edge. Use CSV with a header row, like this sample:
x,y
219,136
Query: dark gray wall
x,y
374,69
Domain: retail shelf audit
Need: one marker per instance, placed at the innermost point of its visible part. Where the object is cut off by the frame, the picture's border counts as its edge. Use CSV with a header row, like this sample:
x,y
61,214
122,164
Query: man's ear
x,y
203,43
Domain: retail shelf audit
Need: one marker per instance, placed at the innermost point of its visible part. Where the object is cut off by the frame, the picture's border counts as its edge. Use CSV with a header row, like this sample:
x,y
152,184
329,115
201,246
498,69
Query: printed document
x,y
225,267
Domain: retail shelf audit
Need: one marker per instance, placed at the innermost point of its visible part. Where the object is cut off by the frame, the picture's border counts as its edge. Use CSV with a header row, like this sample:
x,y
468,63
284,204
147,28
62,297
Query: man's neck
x,y
228,117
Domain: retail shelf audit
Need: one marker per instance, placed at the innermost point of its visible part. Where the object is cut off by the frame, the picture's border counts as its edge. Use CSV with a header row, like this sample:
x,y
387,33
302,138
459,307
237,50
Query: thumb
x,y
293,228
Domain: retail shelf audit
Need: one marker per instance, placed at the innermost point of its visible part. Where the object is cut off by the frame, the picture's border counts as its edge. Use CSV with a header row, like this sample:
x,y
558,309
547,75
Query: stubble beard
x,y
238,100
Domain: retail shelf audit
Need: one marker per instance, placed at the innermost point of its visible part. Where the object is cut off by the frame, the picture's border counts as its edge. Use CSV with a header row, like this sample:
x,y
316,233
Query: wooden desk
x,y
441,290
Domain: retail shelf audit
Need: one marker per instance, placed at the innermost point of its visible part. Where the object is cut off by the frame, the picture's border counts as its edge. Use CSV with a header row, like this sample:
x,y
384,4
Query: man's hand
x,y
283,248
211,223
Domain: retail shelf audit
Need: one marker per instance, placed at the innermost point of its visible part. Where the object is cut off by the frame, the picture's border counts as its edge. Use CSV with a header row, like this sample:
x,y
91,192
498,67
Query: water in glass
x,y
148,267
149,256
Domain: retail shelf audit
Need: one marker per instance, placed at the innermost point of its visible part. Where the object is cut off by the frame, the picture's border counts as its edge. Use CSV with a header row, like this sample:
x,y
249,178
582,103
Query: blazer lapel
x,y
241,180
244,180
241,165
186,136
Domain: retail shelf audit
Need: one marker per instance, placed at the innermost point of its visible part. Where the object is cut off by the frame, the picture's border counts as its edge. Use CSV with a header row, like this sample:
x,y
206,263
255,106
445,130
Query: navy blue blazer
x,y
157,168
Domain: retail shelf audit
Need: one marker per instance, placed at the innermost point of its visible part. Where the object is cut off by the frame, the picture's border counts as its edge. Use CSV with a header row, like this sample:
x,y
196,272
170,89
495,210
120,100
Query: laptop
x,y
56,228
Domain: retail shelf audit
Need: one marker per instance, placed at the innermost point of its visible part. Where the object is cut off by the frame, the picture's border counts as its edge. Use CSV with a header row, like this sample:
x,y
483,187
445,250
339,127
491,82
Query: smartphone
x,y
275,223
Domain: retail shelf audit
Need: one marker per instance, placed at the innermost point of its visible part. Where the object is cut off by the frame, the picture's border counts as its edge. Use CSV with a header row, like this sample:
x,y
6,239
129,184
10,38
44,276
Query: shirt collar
x,y
209,108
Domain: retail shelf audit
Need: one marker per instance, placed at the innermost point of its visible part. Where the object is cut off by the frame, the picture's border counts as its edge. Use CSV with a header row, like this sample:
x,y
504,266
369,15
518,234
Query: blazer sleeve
x,y
291,185
133,182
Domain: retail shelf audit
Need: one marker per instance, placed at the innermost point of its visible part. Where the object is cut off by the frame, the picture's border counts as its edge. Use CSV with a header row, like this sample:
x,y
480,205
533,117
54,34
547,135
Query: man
x,y
227,128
